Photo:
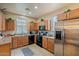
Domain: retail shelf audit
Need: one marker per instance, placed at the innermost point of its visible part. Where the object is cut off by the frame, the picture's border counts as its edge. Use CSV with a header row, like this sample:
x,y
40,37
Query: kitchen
x,y
24,34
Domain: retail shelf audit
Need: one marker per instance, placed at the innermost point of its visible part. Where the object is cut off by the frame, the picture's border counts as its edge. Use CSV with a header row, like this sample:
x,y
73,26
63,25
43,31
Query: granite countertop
x,y
5,40
49,37
23,35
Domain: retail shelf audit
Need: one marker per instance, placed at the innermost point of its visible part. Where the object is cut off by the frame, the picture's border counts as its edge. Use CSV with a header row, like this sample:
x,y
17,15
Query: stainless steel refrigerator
x,y
67,38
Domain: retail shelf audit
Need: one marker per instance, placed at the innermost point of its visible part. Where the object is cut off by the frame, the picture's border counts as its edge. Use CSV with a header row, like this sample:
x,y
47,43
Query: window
x,y
21,26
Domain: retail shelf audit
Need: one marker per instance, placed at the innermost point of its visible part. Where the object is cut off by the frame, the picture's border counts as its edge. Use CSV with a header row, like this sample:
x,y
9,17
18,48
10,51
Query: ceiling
x,y
43,8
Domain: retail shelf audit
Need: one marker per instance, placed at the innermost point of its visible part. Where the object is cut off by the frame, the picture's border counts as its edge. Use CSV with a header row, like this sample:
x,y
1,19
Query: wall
x,y
49,16
15,17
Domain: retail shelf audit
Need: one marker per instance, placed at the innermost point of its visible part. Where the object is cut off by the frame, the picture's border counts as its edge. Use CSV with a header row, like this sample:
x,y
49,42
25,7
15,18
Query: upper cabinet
x,y
6,25
2,22
33,26
62,16
10,25
74,14
47,25
69,15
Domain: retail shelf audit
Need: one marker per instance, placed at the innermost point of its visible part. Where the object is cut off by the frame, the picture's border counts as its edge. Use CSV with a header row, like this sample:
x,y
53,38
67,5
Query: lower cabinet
x,y
5,49
19,41
35,39
48,43
14,42
44,42
25,40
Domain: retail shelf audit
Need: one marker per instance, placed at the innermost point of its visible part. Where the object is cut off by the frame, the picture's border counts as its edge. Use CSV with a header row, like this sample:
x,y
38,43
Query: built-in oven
x,y
39,37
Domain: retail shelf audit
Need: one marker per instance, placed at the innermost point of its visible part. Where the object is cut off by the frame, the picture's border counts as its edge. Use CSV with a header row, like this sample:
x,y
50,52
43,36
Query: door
x,y
71,43
59,39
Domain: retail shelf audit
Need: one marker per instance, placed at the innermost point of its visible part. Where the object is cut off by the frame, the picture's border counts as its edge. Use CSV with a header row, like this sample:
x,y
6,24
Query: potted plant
x,y
67,10
33,22
42,20
9,19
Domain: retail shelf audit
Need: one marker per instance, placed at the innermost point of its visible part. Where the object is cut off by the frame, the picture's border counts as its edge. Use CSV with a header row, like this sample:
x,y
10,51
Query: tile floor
x,y
38,51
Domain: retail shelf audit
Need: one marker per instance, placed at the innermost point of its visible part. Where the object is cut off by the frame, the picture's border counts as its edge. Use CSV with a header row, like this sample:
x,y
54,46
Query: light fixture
x,y
30,12
36,7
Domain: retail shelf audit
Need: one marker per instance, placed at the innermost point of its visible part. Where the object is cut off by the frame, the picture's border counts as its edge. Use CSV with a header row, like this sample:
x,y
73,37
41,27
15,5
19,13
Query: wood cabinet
x,y
25,40
2,22
47,25
5,50
35,39
74,14
44,42
38,24
48,44
10,25
33,26
19,41
14,42
62,16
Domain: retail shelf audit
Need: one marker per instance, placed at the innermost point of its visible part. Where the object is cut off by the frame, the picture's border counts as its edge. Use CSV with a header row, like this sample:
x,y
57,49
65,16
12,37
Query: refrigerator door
x,y
71,42
59,39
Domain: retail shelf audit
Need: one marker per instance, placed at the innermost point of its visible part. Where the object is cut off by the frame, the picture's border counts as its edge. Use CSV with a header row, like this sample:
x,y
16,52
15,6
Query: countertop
x,y
8,38
23,35
49,37
5,40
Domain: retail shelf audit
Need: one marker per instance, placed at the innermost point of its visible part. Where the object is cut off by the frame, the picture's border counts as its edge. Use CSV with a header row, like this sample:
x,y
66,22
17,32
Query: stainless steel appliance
x,y
39,37
68,43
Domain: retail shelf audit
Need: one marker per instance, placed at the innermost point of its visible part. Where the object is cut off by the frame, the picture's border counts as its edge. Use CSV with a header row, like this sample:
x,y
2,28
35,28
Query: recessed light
x,y
30,12
36,7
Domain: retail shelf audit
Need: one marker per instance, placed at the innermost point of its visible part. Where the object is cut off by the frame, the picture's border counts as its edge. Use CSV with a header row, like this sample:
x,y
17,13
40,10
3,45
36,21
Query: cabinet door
x,y
19,42
46,24
39,24
35,39
14,42
62,16
50,46
10,26
33,26
25,40
44,42
5,50
2,22
74,13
